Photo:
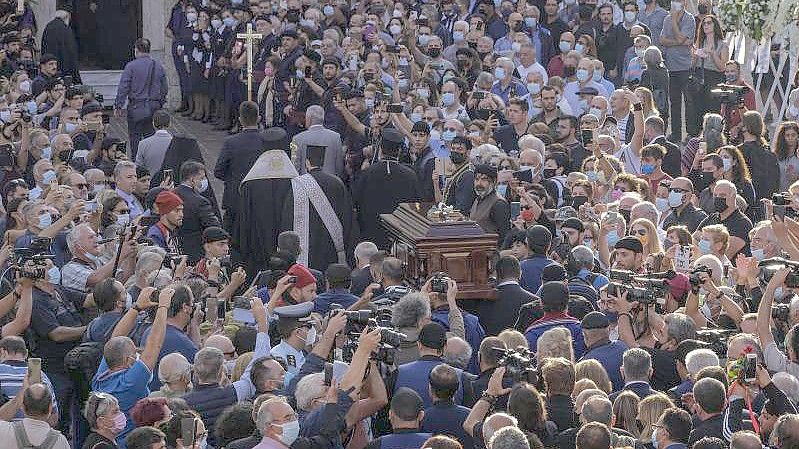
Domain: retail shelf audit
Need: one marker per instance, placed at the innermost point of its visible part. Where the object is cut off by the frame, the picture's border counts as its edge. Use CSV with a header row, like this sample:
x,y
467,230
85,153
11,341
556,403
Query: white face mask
x,y
289,432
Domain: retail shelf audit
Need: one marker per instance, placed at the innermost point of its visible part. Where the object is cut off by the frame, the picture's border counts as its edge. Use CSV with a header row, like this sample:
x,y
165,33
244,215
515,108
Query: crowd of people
x,y
645,283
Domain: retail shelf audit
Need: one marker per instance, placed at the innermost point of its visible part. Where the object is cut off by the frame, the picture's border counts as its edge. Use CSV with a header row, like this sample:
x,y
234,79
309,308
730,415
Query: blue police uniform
x,y
609,354
532,268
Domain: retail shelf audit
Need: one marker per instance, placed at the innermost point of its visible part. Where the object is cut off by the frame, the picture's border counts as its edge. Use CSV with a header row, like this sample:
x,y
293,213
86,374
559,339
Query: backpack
x,y
24,443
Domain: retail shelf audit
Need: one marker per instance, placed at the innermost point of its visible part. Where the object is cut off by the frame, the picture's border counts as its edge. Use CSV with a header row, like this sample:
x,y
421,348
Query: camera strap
x,y
752,416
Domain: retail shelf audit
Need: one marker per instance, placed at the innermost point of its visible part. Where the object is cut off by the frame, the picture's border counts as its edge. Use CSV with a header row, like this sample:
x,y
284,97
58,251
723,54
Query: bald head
x,y
496,422
37,401
745,439
222,343
118,351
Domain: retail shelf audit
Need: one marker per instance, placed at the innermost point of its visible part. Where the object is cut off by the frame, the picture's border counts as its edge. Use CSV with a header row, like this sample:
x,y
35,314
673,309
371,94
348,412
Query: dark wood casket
x,y
459,248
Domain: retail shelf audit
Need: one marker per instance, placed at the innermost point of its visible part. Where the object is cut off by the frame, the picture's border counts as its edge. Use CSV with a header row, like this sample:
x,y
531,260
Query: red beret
x,y
304,276
167,201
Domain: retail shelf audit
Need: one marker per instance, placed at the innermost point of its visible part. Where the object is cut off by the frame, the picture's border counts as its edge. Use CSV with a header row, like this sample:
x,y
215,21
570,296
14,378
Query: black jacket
x,y
503,313
642,389
712,427
361,278
672,160
198,214
236,158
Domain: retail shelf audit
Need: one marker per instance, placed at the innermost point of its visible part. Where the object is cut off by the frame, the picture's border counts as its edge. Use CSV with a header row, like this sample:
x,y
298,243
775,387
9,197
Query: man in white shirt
x,y
527,63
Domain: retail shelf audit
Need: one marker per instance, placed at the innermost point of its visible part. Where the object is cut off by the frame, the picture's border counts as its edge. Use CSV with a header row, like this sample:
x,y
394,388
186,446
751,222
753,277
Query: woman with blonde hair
x,y
645,231
649,410
592,369
647,102
625,408
582,385
556,342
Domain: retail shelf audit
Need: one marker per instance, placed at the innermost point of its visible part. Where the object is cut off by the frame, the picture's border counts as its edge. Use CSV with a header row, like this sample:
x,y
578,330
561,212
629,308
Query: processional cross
x,y
249,37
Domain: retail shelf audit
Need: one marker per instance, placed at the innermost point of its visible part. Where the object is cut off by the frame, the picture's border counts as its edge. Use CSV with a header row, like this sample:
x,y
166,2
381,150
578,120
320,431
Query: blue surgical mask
x,y
534,88
565,46
647,169
704,246
499,73
448,135
423,92
758,254
70,127
613,237
579,48
229,22
448,98
502,189
45,220
370,103
32,107
597,75
328,10
424,39
47,153
630,16
582,75
458,36
661,204
203,185
402,83
592,175
123,219
416,117
675,199
54,275
596,112
48,177
530,22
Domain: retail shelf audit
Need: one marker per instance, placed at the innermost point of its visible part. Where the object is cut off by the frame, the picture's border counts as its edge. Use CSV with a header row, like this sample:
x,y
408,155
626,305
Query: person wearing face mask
x,y
683,212
458,190
583,83
297,336
105,420
728,214
505,83
651,167
87,268
198,214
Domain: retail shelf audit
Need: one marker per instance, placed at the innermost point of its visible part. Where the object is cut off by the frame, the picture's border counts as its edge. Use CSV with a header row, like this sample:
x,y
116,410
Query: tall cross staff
x,y
249,36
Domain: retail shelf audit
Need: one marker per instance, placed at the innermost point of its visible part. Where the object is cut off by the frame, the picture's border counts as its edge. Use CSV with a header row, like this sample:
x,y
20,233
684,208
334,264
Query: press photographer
x,y
776,359
707,289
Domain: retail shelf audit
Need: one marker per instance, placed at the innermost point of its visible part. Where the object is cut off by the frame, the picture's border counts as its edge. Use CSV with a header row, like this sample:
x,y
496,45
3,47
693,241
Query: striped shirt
x,y
12,373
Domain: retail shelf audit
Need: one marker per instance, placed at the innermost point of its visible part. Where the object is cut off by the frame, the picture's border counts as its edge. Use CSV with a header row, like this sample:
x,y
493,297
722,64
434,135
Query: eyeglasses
x,y
677,190
123,211
639,232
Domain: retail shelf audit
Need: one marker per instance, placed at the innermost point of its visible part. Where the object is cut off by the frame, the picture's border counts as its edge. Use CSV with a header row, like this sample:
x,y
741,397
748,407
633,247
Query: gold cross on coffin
x,y
249,36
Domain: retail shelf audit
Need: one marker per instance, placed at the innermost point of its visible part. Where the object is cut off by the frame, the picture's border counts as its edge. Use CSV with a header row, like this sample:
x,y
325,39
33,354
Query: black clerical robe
x,y
115,35
264,192
321,250
59,40
381,188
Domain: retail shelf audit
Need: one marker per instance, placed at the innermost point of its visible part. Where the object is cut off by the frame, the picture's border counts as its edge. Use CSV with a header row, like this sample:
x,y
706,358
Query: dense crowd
x,y
647,268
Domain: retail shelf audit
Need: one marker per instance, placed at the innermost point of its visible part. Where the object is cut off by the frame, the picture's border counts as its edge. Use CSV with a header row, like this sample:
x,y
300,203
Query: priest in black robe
x,y
263,194
322,244
114,33
58,40
382,187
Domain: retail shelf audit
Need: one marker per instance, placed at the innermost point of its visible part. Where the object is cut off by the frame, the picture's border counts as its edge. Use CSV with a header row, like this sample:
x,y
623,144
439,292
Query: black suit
x,y
642,389
198,214
672,163
236,158
361,278
503,313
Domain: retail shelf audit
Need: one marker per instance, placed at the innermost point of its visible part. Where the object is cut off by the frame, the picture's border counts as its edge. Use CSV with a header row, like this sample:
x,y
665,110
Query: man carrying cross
x,y
249,37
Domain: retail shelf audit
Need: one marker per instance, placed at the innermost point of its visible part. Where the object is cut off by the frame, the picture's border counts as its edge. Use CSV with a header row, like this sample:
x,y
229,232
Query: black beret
x,y
573,223
275,138
630,243
215,234
313,56
485,169
595,320
421,127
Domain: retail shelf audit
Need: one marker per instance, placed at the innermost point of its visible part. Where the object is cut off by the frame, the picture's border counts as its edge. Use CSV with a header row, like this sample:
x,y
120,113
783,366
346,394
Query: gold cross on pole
x,y
249,36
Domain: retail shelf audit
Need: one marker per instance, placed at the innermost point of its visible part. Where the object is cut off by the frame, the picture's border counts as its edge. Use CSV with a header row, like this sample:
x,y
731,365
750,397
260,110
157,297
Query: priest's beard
x,y
482,193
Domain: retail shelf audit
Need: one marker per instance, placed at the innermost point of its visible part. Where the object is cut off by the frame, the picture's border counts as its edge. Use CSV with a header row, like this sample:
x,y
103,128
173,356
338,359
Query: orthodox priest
x,y
263,195
382,187
321,212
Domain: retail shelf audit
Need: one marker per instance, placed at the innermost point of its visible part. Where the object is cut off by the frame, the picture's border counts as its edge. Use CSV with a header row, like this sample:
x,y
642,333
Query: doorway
x,y
105,31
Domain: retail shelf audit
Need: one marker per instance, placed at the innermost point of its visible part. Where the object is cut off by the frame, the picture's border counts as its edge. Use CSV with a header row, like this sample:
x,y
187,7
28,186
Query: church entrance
x,y
105,31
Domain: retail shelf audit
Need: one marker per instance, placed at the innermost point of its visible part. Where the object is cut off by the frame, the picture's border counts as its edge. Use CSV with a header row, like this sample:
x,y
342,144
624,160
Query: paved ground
x,y
210,141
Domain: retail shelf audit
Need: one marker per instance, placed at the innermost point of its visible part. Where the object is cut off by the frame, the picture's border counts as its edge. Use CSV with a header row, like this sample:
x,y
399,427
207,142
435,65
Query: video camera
x,y
694,278
716,339
770,266
519,363
30,262
360,320
728,93
646,290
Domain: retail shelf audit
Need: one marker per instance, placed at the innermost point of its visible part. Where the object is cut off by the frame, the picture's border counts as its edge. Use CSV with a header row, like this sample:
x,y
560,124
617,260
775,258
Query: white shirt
x,y
36,430
632,161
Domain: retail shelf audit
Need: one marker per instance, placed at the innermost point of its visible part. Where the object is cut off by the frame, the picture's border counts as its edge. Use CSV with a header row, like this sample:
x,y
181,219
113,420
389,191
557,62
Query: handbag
x,y
696,78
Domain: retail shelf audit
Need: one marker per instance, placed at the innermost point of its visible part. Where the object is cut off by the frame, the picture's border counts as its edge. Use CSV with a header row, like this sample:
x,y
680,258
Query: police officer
x,y
406,414
416,374
297,332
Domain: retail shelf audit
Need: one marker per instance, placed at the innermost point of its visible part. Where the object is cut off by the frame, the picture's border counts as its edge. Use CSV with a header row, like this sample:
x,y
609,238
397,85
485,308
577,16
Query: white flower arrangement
x,y
756,15
730,13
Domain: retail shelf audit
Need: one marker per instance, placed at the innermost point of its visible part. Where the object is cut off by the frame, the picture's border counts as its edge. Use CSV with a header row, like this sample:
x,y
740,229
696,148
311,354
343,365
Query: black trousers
x,y
138,130
677,82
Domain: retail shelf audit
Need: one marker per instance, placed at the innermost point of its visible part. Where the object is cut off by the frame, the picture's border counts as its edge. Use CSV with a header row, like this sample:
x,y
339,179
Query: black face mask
x,y
472,45
550,172
293,15
568,72
457,158
461,65
706,179
434,52
578,201
482,54
720,204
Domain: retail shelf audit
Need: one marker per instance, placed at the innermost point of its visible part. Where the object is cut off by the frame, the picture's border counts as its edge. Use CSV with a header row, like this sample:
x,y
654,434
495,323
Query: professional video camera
x,y
647,290
519,363
357,321
770,266
716,340
30,262
728,93
562,246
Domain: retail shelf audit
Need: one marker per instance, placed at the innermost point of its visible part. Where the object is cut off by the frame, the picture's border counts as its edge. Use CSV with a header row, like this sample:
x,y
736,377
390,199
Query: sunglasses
x,y
639,232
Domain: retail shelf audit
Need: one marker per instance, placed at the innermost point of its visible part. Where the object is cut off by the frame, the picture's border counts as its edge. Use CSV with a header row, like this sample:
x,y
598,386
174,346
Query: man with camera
x,y
86,269
442,291
775,359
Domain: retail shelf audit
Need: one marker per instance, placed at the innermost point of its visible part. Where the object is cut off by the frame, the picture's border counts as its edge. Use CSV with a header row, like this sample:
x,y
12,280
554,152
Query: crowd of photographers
x,y
645,288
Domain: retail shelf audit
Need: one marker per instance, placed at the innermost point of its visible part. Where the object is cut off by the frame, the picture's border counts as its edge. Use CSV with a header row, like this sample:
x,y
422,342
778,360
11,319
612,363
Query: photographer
x,y
707,277
732,112
391,278
740,395
444,310
297,286
86,269
774,358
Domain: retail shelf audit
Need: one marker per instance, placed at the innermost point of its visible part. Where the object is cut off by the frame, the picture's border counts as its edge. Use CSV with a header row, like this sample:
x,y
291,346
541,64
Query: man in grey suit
x,y
316,134
153,149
